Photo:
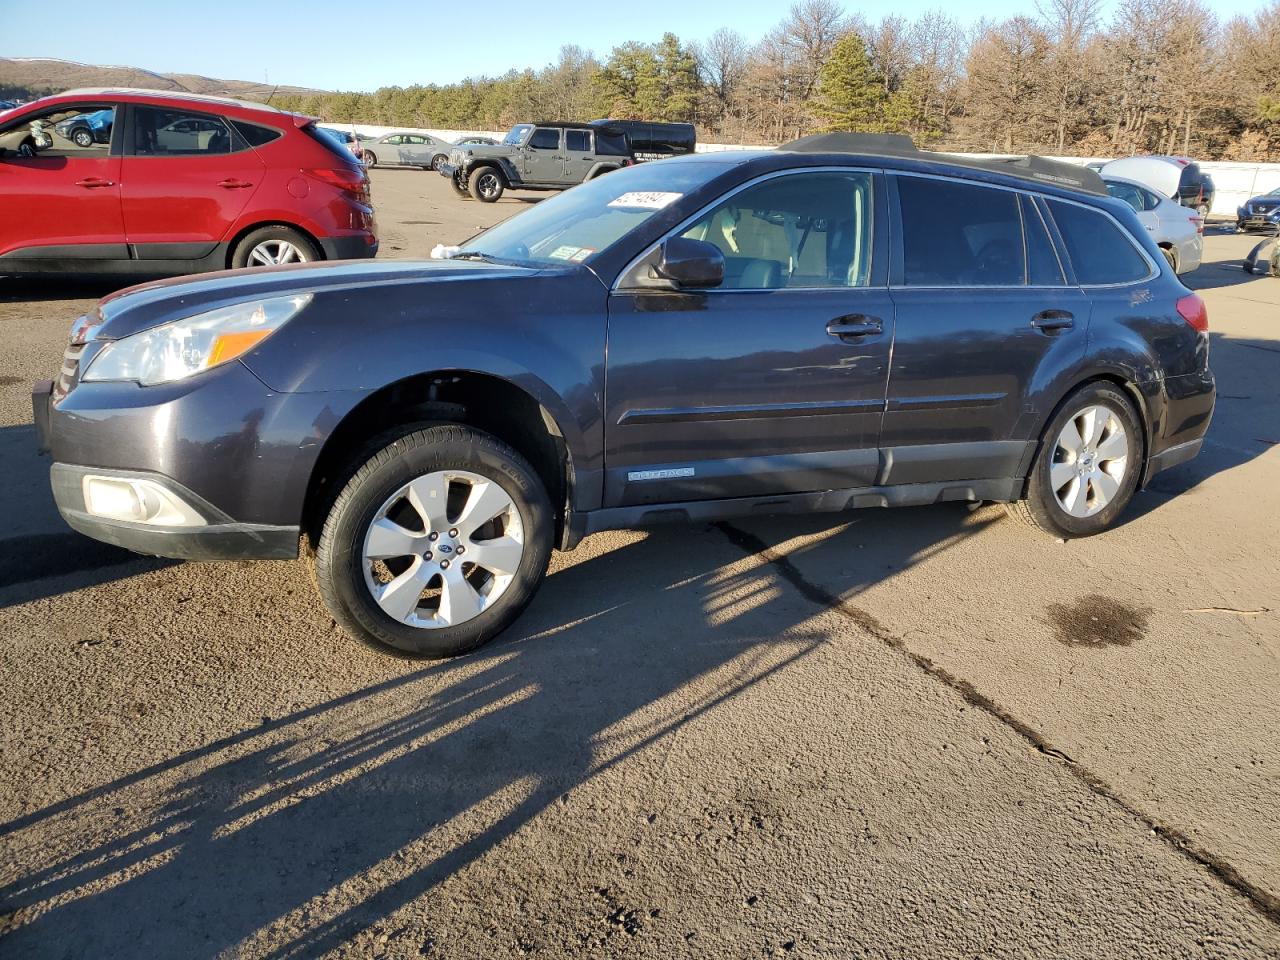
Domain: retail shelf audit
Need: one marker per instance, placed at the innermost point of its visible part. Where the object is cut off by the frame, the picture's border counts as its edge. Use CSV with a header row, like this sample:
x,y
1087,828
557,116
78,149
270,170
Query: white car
x,y
1177,230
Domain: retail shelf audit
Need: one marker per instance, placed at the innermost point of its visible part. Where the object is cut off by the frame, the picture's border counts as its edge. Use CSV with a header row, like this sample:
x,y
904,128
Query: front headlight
x,y
180,348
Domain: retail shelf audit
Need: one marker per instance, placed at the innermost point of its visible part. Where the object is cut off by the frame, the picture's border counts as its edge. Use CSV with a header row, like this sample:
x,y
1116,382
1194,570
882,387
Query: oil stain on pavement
x,y
1098,621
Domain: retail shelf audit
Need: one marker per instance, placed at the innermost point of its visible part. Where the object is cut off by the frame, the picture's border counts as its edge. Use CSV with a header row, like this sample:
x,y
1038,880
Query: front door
x,y
60,184
187,178
773,382
543,161
985,316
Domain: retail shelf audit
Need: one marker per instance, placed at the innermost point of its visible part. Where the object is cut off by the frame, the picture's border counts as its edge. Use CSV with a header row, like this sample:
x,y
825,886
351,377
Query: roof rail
x,y
1054,172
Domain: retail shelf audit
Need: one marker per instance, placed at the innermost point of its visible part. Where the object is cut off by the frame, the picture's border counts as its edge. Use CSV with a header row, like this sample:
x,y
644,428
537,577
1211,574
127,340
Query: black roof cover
x,y
897,145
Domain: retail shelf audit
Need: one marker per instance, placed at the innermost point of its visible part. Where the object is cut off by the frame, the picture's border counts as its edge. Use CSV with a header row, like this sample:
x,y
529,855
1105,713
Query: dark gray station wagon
x,y
843,322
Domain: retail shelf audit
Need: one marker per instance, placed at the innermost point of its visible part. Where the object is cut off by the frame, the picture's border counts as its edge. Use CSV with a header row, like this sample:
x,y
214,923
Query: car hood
x,y
1263,198
134,309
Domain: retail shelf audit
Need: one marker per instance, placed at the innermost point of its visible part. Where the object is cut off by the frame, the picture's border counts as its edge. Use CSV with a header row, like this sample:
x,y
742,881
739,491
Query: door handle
x,y
1051,321
234,184
90,182
855,325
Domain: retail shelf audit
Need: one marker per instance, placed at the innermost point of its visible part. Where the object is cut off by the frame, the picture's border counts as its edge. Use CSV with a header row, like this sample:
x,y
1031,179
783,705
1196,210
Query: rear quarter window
x,y
1100,251
255,135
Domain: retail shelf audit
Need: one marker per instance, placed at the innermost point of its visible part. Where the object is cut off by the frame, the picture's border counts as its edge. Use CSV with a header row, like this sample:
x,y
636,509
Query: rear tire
x,y
1170,256
369,158
1087,468
438,159
487,184
268,246
464,576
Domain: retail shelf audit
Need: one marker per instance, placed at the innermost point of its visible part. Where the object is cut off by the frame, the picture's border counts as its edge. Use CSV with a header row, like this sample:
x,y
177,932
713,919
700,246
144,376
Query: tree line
x,y
1161,76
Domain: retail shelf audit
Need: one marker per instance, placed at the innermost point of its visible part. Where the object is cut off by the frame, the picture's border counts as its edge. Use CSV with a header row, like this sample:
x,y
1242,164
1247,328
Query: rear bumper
x,y
348,248
220,538
1188,411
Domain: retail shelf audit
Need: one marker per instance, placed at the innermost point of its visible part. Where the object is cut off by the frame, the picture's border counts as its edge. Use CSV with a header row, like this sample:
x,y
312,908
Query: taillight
x,y
353,181
1192,310
1199,224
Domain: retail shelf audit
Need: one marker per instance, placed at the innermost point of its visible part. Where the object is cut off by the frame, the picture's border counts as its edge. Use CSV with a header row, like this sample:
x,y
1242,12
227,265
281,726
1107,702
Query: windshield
x,y
579,223
1274,193
517,134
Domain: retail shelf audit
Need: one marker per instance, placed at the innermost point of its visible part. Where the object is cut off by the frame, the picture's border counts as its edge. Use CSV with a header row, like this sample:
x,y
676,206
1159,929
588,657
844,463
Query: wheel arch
x,y
243,232
481,400
1116,377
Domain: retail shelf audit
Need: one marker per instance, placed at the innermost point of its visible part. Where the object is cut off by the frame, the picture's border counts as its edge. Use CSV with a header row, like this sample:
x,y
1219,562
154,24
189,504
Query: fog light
x,y
137,500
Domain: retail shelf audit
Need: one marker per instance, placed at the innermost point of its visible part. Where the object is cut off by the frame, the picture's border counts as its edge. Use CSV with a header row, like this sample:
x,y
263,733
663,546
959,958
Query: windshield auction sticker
x,y
638,200
575,254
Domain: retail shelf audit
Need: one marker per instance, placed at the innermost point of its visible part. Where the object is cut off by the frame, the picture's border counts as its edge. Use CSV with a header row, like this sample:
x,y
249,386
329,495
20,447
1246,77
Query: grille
x,y
1265,207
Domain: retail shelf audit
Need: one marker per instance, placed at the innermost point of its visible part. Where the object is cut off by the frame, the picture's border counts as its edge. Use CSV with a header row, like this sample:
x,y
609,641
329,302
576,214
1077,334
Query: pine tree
x,y
850,91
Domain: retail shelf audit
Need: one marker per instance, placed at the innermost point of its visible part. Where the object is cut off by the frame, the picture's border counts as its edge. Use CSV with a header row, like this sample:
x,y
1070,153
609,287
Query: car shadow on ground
x,y
291,838
53,287
1213,274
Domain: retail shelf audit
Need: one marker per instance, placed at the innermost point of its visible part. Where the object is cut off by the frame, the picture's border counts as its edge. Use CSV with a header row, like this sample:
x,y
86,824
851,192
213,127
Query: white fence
x,y
1234,182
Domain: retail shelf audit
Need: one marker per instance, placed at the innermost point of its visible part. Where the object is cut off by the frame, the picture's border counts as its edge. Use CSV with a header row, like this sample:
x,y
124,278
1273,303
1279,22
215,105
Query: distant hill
x,y
37,76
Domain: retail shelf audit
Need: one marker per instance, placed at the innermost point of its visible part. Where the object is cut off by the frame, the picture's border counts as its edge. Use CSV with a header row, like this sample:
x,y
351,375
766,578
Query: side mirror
x,y
690,263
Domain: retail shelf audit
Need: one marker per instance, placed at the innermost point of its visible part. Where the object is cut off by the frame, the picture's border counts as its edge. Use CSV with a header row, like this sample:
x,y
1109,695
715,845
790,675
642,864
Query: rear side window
x,y
1100,251
160,132
257,136
1043,268
578,140
612,143
960,235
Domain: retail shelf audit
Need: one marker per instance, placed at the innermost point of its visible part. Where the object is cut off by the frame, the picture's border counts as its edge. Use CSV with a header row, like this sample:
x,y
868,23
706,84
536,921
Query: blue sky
x,y
355,45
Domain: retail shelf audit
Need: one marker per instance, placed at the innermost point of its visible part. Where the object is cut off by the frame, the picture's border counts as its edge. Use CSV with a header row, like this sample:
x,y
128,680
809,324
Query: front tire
x,y
1087,468
82,138
436,544
486,184
459,187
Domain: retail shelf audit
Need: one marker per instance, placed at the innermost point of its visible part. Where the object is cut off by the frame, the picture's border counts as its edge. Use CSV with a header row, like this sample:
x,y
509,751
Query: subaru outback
x,y
844,322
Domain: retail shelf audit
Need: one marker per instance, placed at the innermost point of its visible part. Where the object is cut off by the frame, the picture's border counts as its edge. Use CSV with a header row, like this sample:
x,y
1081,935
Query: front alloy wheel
x,y
436,543
442,549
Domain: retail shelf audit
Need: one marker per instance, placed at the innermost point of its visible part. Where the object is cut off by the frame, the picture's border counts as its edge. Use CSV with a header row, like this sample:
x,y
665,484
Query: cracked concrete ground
x,y
923,732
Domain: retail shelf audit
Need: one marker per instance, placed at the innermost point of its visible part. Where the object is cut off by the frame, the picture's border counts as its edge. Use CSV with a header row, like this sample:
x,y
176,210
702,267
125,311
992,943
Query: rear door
x,y
187,178
579,154
773,382
61,198
985,318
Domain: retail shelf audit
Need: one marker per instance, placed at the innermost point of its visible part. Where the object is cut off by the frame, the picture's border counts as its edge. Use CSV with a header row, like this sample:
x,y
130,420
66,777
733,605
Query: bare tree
x,y
722,64
1068,82
1006,72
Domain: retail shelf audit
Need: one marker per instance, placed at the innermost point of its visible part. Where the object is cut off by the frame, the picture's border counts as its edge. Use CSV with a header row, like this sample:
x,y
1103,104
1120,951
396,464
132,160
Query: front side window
x,y
62,133
801,230
1100,251
960,235
161,132
545,138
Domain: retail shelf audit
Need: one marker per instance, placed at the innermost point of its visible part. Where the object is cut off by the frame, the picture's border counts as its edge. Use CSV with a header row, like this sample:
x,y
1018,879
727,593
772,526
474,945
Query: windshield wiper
x,y
474,255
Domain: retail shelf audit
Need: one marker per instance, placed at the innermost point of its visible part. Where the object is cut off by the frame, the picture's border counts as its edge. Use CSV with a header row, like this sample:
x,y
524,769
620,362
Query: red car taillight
x,y
351,181
1199,222
1192,310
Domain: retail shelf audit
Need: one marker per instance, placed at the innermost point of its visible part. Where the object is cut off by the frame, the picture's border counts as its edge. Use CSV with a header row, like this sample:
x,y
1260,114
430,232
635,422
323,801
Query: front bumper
x,y
448,170
238,453
220,538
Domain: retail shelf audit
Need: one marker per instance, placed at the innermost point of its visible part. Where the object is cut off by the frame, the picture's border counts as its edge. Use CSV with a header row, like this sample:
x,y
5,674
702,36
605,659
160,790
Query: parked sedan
x,y
1177,231
87,129
406,150
1259,213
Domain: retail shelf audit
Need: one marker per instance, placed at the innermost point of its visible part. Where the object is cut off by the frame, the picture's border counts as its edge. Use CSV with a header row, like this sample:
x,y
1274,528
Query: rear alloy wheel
x,y
487,184
1087,468
436,543
369,158
438,159
272,246
1203,210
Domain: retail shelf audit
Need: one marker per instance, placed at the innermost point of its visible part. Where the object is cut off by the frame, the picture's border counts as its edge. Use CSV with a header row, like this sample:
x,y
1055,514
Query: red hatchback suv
x,y
142,181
